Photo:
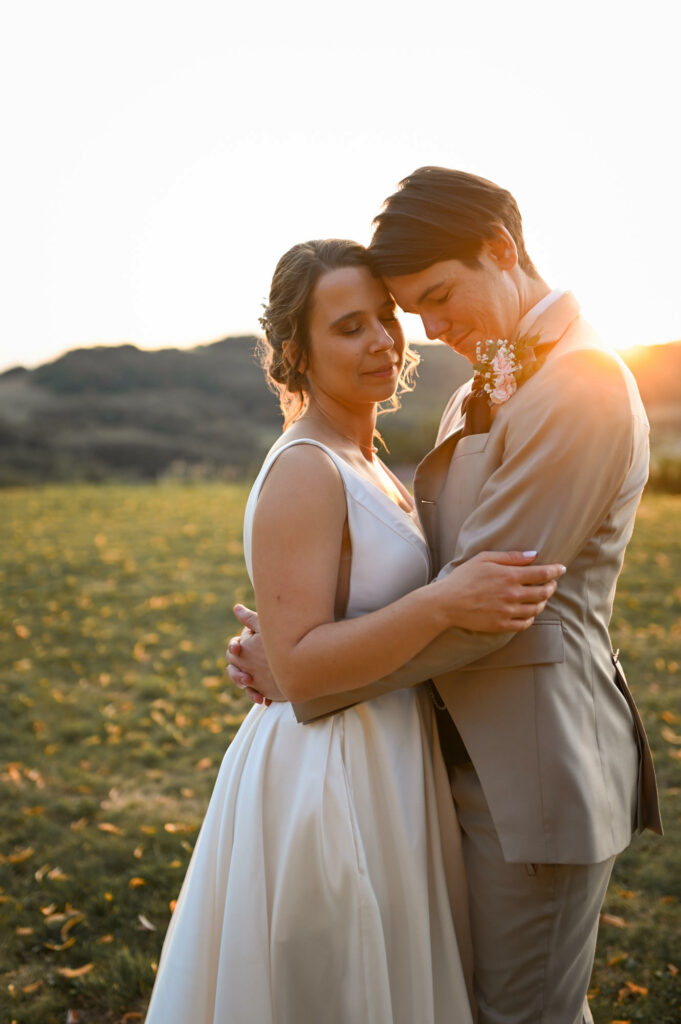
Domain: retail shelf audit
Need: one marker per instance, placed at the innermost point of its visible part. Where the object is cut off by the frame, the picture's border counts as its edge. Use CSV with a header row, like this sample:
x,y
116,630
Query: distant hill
x,y
121,411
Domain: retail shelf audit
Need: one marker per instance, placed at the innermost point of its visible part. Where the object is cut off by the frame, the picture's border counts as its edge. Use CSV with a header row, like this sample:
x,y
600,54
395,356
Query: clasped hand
x,y
493,592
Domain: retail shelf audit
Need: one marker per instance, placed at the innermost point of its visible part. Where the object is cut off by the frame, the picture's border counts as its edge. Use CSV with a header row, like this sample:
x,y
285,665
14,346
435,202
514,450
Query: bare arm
x,y
568,457
297,532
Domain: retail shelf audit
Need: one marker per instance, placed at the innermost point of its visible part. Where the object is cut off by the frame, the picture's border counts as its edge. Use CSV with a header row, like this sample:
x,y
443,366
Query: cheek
x,y
399,342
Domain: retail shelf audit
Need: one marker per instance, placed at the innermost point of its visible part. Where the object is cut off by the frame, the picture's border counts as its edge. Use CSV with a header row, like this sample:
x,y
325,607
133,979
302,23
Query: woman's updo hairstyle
x,y
285,350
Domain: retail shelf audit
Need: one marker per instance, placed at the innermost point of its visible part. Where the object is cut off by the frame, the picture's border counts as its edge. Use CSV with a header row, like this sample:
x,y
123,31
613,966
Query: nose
x,y
382,340
434,326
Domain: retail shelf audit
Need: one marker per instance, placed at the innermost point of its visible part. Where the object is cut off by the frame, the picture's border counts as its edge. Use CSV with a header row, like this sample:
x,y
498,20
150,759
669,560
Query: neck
x,y
530,291
357,426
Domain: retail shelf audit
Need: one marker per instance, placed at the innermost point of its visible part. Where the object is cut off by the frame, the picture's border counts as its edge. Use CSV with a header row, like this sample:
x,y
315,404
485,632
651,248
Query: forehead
x,y
346,290
412,290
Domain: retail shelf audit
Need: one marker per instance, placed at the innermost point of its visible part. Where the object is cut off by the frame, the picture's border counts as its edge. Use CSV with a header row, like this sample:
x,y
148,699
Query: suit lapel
x,y
432,471
429,479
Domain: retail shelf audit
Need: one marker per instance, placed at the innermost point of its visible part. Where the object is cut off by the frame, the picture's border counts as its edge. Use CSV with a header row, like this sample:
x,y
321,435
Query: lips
x,y
382,371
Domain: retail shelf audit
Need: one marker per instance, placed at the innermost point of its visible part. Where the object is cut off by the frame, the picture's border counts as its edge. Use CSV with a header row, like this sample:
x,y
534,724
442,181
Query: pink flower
x,y
502,365
505,386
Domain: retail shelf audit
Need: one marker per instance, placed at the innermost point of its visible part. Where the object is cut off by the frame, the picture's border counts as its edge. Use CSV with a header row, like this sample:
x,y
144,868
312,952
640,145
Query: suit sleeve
x,y
571,449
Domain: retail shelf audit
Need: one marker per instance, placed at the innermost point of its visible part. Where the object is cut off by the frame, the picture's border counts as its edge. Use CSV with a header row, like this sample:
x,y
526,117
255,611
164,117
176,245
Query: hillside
x,y
120,411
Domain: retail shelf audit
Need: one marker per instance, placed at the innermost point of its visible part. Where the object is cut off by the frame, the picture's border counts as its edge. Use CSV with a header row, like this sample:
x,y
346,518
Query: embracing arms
x,y
297,536
574,448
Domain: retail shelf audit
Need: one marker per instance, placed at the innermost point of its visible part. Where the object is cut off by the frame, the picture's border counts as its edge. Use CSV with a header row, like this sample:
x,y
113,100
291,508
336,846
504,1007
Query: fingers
x,y
233,648
239,678
523,569
246,617
518,625
535,595
534,575
508,557
256,697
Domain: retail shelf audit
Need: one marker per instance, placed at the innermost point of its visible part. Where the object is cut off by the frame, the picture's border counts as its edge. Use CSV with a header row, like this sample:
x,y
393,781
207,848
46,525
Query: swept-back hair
x,y
440,214
284,351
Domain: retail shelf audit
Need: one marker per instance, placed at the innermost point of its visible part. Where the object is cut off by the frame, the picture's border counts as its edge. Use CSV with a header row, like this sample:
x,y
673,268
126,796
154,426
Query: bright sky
x,y
160,156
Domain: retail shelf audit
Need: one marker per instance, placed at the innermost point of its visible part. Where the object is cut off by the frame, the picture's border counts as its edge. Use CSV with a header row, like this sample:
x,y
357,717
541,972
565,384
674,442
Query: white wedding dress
x,y
320,890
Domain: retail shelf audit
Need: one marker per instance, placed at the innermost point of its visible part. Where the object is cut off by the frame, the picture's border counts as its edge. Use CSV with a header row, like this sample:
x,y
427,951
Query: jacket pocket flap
x,y
541,644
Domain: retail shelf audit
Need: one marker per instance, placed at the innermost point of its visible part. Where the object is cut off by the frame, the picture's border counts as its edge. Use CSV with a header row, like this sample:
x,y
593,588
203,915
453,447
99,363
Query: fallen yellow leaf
x,y
75,972
69,925
106,826
20,855
631,989
612,919
64,945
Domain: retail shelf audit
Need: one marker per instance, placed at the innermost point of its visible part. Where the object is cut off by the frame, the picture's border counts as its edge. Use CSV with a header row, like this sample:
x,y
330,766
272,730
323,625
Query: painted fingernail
x,y
563,569
529,554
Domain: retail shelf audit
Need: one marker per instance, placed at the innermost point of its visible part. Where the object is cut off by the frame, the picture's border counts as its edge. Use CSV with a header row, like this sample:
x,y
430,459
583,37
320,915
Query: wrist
x,y
445,605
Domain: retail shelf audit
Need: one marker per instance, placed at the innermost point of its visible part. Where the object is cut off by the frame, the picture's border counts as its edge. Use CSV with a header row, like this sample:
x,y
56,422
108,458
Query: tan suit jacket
x,y
549,723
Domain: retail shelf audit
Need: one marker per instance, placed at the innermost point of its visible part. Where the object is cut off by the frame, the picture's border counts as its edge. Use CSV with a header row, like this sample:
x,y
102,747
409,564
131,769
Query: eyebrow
x,y
347,316
388,304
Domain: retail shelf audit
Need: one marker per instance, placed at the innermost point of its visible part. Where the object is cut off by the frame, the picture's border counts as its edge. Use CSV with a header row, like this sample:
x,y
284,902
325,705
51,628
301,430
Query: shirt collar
x,y
536,311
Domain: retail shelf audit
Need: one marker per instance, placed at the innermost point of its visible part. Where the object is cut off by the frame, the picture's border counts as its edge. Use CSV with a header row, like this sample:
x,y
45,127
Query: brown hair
x,y
440,214
285,320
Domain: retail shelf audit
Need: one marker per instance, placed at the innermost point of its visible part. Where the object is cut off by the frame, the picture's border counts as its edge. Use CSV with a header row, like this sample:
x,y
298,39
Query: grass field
x,y
115,611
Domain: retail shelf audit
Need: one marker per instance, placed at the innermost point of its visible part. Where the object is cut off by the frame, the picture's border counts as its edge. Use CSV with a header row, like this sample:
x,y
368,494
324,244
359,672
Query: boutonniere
x,y
502,366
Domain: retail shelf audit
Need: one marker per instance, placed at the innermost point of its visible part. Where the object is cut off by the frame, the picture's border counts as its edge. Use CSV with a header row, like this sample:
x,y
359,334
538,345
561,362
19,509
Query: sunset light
x,y
164,158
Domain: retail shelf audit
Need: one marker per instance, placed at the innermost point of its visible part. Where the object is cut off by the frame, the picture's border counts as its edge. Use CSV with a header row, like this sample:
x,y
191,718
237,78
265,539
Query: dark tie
x,y
476,407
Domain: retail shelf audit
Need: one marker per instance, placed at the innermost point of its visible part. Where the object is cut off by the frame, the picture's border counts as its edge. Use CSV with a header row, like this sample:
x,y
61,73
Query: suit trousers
x,y
533,926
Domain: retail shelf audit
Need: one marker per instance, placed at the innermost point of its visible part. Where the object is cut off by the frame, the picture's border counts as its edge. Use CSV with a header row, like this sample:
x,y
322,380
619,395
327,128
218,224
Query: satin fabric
x,y
319,889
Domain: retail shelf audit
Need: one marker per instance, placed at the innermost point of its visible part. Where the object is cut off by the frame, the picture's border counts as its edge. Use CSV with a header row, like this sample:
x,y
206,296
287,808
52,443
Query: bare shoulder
x,y
304,479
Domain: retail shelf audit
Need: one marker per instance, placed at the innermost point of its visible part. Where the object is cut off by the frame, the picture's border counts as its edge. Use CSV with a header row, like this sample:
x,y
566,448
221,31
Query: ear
x,y
289,351
501,248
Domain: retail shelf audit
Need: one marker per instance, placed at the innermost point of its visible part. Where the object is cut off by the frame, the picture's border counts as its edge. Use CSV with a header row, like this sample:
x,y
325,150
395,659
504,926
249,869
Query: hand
x,y
247,665
499,591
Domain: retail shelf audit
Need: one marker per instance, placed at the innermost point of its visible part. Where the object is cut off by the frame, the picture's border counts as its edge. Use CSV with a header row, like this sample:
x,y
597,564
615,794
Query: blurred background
x,y
158,159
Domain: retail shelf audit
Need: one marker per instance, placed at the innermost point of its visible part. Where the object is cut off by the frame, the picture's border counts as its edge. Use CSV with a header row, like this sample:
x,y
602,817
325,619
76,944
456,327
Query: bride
x,y
326,883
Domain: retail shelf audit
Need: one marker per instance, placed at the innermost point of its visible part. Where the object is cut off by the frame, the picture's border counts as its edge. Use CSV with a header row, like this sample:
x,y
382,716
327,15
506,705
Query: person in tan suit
x,y
550,766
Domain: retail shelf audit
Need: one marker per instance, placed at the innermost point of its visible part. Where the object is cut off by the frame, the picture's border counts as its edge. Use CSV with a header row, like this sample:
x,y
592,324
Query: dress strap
x,y
260,480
